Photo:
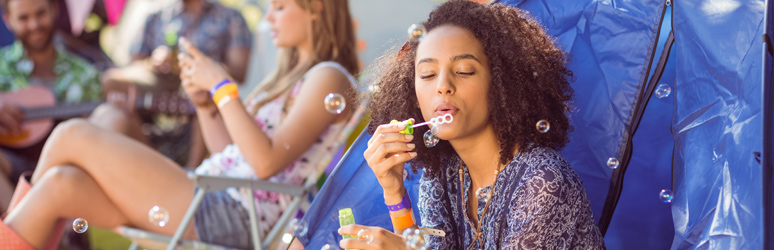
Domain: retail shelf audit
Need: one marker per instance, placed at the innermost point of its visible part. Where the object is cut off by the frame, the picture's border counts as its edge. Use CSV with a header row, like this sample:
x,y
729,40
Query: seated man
x,y
34,60
219,32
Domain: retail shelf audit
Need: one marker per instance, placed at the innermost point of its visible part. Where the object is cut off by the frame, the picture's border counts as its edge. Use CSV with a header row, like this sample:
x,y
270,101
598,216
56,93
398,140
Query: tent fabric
x,y
717,124
611,45
768,123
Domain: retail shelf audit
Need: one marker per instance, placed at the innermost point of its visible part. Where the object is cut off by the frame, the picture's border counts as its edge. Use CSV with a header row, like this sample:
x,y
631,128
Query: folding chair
x,y
352,184
207,183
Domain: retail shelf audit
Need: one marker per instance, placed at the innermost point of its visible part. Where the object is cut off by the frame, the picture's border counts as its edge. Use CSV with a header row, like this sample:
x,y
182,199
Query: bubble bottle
x,y
346,218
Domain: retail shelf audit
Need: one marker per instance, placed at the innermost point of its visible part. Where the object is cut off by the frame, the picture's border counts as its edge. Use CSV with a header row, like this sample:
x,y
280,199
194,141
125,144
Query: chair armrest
x,y
218,183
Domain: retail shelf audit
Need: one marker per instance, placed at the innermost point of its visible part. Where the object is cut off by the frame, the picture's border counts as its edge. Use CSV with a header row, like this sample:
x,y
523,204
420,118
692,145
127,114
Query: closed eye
x,y
466,73
426,76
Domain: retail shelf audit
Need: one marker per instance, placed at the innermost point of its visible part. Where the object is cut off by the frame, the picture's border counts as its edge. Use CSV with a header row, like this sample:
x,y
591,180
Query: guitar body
x,y
32,130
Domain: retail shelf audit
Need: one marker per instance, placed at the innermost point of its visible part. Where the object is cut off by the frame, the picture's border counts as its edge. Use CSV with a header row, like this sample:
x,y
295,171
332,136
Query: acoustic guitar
x,y
41,110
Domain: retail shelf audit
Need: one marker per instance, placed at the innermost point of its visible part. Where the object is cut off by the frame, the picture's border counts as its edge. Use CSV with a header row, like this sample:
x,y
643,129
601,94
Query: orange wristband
x,y
403,221
225,93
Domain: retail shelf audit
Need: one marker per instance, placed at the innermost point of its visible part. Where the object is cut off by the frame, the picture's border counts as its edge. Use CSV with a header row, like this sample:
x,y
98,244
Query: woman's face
x,y
453,77
290,24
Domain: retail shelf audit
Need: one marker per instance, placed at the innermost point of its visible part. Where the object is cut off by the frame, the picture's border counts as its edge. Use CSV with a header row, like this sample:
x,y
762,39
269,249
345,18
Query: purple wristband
x,y
217,86
404,204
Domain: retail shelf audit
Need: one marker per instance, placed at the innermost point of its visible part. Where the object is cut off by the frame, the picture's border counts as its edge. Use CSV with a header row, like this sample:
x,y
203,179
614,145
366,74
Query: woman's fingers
x,y
370,238
192,50
386,129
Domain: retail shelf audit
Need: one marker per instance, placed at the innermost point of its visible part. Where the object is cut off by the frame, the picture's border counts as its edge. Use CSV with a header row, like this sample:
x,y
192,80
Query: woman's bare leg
x,y
133,176
110,117
63,192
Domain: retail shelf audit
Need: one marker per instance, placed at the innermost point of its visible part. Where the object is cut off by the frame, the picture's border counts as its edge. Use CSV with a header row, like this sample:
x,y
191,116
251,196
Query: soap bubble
x,y
414,239
434,130
80,225
430,139
483,195
326,247
416,32
158,216
543,126
335,103
612,163
286,238
366,235
298,227
663,91
666,195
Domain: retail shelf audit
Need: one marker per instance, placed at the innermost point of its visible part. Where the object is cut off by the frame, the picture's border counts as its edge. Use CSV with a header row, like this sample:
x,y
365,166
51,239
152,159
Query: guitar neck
x,y
60,112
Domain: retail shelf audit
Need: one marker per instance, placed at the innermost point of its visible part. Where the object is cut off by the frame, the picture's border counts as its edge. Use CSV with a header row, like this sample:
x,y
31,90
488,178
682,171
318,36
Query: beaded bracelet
x,y
403,221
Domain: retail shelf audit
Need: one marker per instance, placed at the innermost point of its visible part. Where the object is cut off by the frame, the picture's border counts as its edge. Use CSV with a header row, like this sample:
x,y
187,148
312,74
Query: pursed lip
x,y
446,108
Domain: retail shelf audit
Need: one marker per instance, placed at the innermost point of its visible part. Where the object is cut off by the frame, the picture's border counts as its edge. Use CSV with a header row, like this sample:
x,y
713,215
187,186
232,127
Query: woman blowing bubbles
x,y
495,181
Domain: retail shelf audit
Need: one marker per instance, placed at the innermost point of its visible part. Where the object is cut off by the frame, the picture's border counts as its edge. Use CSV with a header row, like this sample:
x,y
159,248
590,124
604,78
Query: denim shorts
x,y
223,221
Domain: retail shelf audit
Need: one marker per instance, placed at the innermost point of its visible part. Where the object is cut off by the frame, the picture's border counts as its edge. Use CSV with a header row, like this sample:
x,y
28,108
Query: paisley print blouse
x,y
539,202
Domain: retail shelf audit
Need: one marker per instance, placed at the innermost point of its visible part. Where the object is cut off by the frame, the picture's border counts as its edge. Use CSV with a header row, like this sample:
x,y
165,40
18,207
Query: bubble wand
x,y
438,120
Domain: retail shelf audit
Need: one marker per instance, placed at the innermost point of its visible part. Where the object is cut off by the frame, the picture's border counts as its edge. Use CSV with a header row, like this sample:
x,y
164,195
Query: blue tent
x,y
707,140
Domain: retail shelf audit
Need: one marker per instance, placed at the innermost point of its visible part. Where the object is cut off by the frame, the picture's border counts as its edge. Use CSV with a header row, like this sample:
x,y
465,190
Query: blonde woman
x,y
277,134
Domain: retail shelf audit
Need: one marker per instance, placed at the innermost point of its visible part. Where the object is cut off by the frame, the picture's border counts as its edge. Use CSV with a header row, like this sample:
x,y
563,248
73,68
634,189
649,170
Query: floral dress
x,y
539,202
231,163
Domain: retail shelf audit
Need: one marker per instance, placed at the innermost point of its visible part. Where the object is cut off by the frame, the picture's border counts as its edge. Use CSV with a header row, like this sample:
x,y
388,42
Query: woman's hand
x,y
197,70
199,97
380,238
387,152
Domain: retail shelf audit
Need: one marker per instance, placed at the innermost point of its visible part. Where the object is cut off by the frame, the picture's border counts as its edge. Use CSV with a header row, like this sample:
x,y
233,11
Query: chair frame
x,y
207,183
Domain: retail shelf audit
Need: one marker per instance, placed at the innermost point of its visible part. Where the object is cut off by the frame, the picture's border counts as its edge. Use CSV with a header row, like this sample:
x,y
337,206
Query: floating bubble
x,y
80,225
326,247
416,32
612,163
666,195
483,194
286,238
335,103
430,139
534,74
158,216
298,227
434,130
663,90
543,126
366,235
414,239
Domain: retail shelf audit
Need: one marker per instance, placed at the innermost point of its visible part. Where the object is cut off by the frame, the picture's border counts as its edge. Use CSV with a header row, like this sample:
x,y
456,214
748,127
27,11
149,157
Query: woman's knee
x,y
110,117
73,128
65,179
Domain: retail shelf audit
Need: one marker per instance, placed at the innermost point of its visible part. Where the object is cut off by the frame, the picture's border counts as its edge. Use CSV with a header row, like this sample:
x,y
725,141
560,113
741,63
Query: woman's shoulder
x,y
329,69
545,165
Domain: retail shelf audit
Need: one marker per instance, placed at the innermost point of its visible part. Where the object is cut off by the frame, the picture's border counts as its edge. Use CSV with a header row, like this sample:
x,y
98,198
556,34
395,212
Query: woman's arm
x,y
305,122
216,138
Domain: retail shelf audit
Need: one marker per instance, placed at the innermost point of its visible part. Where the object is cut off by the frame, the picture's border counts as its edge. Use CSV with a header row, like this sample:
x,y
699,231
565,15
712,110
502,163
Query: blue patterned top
x,y
545,208
219,29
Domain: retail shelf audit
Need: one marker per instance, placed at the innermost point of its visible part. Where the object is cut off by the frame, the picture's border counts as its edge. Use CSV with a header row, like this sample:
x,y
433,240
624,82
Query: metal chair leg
x,y
279,228
187,218
254,224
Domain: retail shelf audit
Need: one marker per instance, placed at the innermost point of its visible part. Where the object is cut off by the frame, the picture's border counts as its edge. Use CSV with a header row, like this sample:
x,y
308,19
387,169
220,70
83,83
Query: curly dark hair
x,y
529,81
